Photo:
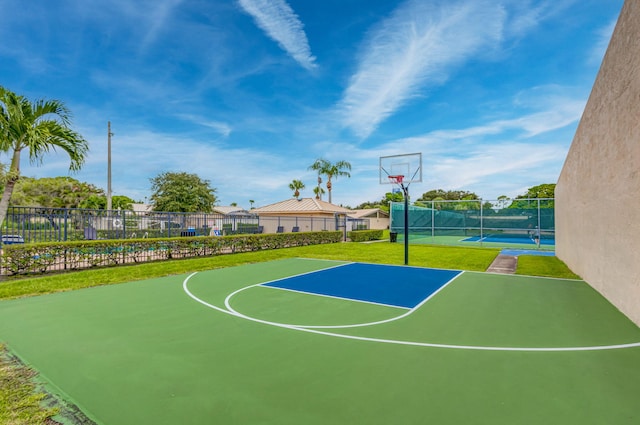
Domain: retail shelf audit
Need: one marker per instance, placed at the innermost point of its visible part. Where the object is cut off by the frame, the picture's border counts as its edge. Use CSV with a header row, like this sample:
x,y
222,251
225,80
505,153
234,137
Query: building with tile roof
x,y
302,215
301,206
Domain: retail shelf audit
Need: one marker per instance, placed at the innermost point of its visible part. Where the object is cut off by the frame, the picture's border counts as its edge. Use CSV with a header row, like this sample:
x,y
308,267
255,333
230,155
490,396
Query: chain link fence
x,y
519,222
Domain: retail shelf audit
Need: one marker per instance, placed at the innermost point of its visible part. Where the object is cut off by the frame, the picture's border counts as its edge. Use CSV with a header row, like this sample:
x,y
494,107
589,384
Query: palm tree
x,y
322,166
296,186
37,127
318,191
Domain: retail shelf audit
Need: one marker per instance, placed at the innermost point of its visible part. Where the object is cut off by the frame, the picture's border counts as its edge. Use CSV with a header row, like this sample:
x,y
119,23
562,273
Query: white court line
x,y
399,342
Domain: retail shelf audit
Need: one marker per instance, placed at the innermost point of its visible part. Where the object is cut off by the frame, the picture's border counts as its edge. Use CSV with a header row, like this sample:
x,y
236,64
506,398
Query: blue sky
x,y
248,93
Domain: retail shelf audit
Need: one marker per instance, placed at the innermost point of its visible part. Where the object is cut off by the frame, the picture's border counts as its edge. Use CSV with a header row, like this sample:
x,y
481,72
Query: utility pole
x,y
109,134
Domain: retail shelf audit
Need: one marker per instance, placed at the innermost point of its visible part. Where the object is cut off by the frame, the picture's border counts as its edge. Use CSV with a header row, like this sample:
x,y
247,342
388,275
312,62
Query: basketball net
x,y
396,179
399,180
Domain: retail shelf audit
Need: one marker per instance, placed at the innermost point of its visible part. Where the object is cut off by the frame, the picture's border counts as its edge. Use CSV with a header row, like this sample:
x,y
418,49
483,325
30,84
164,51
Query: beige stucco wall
x,y
380,223
598,192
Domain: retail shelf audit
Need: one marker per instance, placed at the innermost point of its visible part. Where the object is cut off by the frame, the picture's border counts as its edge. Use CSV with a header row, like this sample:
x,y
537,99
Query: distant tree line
x,y
545,192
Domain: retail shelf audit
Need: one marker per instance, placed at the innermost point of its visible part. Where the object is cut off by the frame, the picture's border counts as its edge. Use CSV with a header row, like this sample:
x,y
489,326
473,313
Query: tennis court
x,y
487,241
300,341
524,240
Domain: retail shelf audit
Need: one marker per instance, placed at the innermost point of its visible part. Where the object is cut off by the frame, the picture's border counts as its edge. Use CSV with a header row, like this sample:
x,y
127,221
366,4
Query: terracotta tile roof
x,y
302,205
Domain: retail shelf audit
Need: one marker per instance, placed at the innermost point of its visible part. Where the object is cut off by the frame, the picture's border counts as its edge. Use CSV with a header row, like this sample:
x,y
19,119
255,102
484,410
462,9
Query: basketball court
x,y
312,341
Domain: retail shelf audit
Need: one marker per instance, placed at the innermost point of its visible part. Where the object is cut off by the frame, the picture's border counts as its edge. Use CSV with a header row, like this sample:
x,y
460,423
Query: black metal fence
x,y
30,224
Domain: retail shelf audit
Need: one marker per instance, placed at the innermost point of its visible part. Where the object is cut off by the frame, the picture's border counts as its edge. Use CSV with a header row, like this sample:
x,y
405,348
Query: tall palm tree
x,y
39,128
296,186
318,191
322,166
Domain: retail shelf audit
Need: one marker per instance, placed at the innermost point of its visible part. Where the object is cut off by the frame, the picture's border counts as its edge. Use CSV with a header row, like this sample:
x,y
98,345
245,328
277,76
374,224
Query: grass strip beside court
x,y
20,402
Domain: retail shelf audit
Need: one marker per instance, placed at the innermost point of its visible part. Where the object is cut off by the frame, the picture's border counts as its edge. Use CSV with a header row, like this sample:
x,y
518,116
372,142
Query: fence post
x,y
124,224
481,221
433,220
66,215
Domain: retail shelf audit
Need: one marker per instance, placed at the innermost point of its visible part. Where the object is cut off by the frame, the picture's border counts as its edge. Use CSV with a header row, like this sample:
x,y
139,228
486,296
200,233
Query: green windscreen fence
x,y
522,221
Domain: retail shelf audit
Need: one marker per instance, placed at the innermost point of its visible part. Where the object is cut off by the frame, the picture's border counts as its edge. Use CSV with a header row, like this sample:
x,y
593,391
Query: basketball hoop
x,y
396,179
401,170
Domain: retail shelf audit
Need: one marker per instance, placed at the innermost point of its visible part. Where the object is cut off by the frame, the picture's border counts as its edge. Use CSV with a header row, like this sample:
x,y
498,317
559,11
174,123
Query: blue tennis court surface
x,y
518,252
506,239
389,285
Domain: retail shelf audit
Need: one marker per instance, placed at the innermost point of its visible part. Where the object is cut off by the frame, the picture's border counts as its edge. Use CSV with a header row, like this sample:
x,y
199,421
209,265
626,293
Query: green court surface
x,y
212,348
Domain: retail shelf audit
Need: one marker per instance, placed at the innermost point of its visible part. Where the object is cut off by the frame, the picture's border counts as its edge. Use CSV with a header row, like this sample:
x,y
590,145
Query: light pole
x,y
109,134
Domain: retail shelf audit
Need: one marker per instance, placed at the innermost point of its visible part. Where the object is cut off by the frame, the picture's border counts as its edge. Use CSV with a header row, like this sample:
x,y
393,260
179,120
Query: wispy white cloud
x,y
526,15
419,45
498,157
278,20
220,127
161,11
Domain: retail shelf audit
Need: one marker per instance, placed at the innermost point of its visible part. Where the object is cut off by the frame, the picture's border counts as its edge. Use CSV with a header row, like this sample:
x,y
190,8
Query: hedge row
x,y
76,255
365,235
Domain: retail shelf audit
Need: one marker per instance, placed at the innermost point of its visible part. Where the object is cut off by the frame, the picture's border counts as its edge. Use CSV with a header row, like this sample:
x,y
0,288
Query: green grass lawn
x,y
471,259
531,265
20,402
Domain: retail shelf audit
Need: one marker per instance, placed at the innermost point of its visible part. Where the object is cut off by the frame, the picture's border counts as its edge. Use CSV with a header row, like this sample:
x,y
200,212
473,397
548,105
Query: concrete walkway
x,y
504,264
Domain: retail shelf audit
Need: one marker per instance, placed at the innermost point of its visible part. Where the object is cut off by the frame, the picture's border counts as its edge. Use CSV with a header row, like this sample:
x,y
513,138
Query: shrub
x,y
75,255
365,235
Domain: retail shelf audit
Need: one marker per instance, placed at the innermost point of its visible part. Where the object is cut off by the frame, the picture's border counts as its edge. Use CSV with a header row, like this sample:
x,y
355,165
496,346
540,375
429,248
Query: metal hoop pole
x,y
405,190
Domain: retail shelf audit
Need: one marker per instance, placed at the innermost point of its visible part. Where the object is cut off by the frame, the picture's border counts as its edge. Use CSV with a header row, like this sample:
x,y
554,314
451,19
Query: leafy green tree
x,y
182,192
326,168
99,202
296,186
545,191
120,202
503,201
38,128
436,195
389,197
53,192
384,203
95,202
449,195
368,205
3,175
488,208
